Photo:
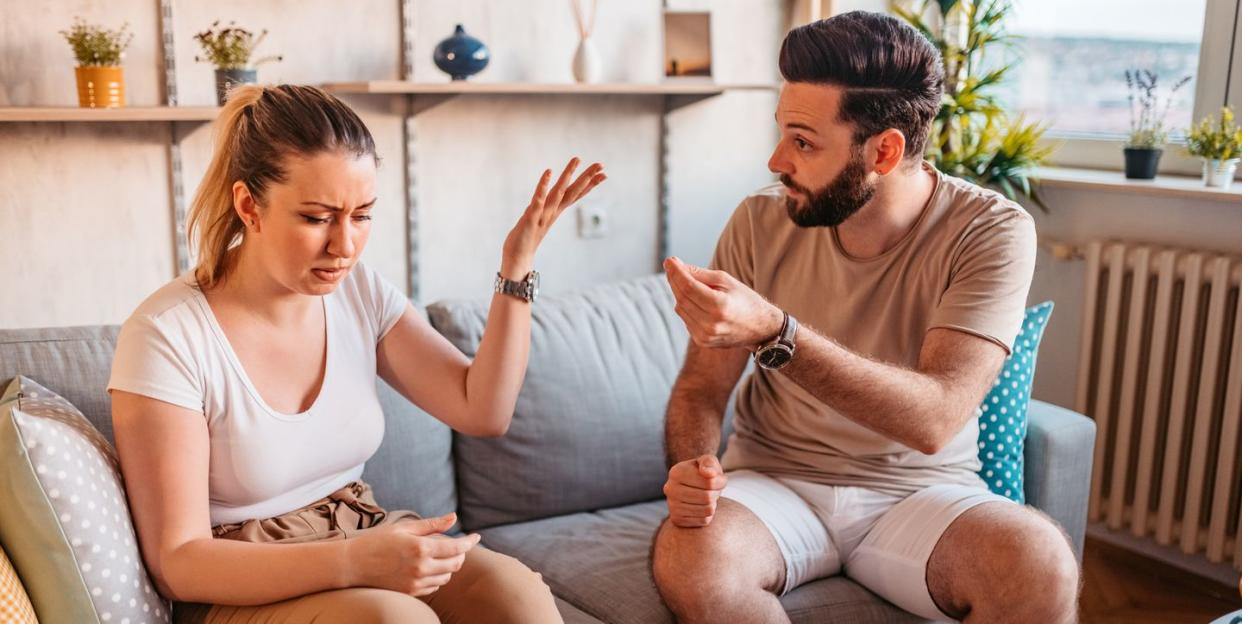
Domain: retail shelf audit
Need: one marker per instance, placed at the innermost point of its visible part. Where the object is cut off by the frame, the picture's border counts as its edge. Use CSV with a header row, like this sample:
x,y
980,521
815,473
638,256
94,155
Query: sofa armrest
x,y
1060,444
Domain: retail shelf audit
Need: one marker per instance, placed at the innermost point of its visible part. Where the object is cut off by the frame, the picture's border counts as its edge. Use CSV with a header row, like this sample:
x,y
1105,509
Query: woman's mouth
x,y
329,275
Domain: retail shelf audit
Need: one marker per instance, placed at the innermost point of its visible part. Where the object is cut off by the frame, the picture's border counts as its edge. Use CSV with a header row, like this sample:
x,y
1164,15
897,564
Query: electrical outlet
x,y
592,220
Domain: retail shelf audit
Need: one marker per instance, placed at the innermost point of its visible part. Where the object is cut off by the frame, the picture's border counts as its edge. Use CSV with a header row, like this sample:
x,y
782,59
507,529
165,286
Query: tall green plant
x,y
972,137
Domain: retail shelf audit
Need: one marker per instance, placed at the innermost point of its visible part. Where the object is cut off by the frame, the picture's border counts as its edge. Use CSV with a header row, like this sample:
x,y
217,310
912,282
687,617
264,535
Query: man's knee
x,y
1042,567
1050,557
1004,561
693,568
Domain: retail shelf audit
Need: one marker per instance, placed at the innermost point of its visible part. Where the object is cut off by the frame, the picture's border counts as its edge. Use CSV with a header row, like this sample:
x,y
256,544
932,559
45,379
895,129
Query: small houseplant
x,y
231,50
1218,143
1147,118
100,77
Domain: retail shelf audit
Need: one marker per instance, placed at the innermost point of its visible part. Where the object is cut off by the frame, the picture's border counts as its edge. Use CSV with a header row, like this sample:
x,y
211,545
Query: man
x,y
880,299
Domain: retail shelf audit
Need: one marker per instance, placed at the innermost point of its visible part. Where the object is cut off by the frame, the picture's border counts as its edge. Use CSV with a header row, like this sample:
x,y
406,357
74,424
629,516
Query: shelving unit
x,y
126,114
422,96
399,87
418,97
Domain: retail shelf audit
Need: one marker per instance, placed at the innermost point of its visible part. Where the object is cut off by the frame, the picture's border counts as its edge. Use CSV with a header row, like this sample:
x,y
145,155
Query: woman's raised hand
x,y
546,205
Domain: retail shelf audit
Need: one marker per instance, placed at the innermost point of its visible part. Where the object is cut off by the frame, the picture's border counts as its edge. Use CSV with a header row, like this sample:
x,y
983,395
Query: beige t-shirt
x,y
966,264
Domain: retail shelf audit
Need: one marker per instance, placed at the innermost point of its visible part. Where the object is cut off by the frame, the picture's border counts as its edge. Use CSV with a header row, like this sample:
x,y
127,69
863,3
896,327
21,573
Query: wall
x,y
86,207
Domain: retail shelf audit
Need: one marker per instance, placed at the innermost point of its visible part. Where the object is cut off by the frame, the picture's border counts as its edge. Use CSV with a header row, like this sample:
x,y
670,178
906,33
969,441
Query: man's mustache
x,y
789,183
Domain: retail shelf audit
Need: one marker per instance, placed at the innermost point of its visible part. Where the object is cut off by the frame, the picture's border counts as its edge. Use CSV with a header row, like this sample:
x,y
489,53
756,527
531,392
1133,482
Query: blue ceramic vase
x,y
461,55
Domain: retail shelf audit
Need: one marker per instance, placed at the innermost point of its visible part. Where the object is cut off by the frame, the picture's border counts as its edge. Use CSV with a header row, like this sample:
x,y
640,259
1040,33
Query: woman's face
x,y
312,228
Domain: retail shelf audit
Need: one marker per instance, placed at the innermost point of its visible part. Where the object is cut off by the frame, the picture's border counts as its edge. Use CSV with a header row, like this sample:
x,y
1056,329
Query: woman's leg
x,y
491,587
355,604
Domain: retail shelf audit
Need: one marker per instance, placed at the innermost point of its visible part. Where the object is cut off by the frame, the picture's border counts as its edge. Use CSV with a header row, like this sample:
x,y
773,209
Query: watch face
x,y
774,356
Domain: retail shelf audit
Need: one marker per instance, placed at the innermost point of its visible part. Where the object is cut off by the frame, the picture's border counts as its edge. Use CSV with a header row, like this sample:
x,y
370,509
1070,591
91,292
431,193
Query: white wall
x,y
85,208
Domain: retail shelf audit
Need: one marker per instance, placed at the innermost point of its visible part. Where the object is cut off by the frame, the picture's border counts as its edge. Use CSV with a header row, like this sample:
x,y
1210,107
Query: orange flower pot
x,y
101,86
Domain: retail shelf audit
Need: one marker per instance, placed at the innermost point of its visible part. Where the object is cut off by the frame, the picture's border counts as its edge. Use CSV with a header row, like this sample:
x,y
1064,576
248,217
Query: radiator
x,y
1160,371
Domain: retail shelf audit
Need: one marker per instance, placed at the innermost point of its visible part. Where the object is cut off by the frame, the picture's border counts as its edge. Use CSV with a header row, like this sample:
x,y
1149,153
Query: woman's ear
x,y
245,206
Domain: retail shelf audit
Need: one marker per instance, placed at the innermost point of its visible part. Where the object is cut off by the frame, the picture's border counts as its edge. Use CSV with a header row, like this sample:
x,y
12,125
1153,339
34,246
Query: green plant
x,y
1215,140
231,47
96,45
1147,129
972,137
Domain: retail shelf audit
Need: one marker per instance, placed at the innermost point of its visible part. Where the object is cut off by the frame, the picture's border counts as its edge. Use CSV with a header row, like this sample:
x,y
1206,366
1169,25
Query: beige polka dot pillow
x,y
63,517
15,607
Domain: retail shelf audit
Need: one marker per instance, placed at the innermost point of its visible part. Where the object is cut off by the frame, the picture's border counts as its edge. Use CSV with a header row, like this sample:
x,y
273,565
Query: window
x,y
1073,55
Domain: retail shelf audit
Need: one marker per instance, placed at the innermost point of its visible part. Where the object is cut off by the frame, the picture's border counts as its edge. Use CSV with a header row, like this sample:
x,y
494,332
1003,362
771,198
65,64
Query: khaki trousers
x,y
490,587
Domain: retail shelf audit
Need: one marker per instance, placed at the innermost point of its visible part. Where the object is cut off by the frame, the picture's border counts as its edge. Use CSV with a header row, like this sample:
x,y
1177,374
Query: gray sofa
x,y
573,489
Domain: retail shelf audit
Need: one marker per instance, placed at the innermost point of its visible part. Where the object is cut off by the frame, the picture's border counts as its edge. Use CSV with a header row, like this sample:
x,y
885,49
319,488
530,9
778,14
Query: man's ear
x,y
890,151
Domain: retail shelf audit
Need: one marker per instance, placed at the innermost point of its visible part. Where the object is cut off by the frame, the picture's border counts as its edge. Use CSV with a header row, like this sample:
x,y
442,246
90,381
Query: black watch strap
x,y
789,330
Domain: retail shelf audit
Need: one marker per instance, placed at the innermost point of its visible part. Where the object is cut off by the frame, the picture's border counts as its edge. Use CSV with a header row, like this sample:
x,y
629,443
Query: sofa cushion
x,y
15,607
411,470
587,432
600,562
1002,415
74,362
64,521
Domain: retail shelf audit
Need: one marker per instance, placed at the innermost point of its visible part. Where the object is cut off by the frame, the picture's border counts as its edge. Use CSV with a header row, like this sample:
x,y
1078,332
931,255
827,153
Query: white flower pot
x,y
1219,173
586,62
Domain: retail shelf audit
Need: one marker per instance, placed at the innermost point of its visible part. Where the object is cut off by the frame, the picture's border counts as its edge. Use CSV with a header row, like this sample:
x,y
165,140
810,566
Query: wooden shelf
x,y
129,113
523,88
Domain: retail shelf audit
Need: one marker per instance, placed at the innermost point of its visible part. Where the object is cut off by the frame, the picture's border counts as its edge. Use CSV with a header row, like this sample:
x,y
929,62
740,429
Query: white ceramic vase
x,y
586,62
1219,173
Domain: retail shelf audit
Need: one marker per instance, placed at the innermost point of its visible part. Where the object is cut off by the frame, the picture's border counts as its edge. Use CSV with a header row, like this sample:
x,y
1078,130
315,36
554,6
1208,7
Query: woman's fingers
x,y
581,186
591,184
541,192
558,191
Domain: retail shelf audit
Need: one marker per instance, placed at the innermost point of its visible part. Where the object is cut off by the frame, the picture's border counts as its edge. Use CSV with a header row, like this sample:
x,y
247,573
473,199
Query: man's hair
x,y
891,75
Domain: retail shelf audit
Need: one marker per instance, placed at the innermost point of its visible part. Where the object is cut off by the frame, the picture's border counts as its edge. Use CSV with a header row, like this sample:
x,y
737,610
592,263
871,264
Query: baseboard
x,y
1198,565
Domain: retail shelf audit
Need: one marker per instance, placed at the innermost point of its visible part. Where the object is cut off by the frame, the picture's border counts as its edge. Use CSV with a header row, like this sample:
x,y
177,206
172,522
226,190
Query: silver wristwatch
x,y
527,289
776,354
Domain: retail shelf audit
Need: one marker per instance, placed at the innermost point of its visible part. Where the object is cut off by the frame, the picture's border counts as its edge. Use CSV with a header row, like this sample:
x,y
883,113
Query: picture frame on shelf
x,y
687,45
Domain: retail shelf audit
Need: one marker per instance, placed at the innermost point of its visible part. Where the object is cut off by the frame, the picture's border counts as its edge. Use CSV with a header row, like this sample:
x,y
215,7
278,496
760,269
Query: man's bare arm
x,y
922,408
697,405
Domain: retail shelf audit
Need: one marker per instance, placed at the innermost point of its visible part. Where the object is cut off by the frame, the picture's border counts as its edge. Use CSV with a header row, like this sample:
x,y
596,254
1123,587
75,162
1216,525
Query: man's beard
x,y
837,201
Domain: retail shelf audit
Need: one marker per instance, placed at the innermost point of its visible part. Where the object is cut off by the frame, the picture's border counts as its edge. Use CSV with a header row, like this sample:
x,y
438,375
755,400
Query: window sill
x,y
1165,185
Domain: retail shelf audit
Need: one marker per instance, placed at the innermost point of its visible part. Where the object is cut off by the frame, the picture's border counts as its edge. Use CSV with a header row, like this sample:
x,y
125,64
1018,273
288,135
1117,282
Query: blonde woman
x,y
244,401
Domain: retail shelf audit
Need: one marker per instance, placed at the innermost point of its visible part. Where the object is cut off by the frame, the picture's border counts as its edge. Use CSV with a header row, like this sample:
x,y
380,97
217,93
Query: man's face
x,y
825,174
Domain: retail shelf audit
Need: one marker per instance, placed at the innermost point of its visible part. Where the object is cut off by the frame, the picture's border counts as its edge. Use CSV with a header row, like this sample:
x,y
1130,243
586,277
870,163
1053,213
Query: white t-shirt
x,y
264,463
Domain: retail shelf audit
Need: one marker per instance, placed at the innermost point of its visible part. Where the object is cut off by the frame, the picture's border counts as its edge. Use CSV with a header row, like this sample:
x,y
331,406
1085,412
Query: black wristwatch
x,y
526,289
778,353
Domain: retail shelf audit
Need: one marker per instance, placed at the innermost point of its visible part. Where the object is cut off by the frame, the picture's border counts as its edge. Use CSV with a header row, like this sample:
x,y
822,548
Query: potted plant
x,y
230,49
100,77
1147,132
1218,143
972,137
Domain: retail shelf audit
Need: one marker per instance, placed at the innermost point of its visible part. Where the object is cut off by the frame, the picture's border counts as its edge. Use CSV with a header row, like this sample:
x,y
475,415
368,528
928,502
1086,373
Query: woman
x,y
243,392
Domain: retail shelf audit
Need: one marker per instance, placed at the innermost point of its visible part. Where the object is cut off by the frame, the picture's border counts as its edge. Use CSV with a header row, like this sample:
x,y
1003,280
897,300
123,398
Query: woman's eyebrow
x,y
338,208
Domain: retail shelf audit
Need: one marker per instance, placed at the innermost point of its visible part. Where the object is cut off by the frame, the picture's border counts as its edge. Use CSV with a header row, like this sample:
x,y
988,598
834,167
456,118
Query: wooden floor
x,y
1122,588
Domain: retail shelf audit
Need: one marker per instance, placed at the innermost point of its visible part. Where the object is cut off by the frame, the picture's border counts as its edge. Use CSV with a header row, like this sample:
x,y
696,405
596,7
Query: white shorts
x,y
880,540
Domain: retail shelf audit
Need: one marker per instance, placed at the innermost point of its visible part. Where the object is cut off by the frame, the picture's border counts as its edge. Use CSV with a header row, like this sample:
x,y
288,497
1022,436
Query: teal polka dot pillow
x,y
1002,416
